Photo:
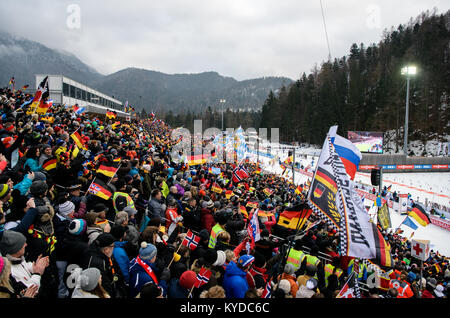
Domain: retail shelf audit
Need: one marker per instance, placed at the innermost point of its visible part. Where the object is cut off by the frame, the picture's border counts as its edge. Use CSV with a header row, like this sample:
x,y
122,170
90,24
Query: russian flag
x,y
347,151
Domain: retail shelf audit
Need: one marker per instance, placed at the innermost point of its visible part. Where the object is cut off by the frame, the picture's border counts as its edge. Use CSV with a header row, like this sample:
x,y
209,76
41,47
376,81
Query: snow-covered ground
x,y
423,186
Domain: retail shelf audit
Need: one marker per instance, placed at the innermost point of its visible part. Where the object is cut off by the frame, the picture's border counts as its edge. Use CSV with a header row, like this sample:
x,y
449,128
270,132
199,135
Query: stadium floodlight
x,y
407,71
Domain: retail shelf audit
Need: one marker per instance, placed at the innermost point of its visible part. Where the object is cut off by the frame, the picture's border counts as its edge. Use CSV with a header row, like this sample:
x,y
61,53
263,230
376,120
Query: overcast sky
x,y
238,38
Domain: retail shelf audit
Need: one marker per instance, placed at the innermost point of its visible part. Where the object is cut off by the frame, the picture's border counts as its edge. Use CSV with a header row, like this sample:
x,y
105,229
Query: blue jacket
x,y
234,281
33,164
24,185
174,290
139,277
122,259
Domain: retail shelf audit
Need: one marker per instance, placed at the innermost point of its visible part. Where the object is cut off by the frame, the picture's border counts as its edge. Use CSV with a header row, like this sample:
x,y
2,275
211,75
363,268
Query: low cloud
x,y
241,39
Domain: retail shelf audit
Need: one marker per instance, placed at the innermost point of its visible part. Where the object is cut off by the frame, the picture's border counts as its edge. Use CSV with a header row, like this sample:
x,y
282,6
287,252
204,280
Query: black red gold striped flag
x,y
108,169
49,164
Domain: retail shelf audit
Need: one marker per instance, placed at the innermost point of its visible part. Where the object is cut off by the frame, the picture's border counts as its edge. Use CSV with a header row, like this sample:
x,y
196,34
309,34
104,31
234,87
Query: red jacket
x,y
207,219
427,294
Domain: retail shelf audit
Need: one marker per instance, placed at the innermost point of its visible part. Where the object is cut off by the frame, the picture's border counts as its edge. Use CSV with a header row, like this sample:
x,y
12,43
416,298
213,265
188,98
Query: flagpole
x,y
297,229
114,173
173,257
190,293
87,191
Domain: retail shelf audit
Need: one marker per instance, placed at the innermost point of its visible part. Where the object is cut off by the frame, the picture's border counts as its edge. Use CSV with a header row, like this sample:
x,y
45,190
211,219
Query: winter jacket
x,y
139,277
207,219
234,281
93,232
33,164
174,290
24,185
79,293
156,209
122,259
22,271
74,246
112,278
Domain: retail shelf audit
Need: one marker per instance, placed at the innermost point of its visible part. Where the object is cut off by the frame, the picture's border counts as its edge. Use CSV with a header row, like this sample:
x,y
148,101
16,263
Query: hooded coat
x,y
234,281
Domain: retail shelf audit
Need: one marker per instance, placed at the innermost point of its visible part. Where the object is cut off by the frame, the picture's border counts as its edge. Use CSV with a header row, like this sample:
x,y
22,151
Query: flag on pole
x,y
191,240
253,229
202,277
298,190
240,174
243,211
99,188
358,236
347,152
41,95
267,293
294,217
110,114
408,222
77,138
419,214
108,169
44,106
252,204
216,188
228,194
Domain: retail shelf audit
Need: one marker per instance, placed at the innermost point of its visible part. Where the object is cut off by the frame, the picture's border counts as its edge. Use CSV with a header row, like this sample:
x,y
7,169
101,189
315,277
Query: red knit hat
x,y
188,279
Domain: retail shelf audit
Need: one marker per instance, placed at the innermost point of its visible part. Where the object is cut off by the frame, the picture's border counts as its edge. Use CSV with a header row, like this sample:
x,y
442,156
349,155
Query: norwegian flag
x,y
239,174
267,293
191,240
202,277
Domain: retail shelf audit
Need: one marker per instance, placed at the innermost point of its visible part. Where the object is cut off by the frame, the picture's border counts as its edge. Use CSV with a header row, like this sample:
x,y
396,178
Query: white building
x,y
64,90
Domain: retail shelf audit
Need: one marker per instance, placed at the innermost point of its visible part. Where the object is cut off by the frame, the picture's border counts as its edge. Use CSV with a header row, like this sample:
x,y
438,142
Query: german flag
x,y
252,204
49,164
25,87
197,160
298,190
99,189
228,194
383,250
289,160
108,169
326,180
216,188
243,211
295,216
419,214
110,115
78,140
268,192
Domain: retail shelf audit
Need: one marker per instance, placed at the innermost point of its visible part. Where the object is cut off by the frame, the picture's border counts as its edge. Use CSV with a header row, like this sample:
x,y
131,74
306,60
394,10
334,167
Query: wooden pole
x,y
173,257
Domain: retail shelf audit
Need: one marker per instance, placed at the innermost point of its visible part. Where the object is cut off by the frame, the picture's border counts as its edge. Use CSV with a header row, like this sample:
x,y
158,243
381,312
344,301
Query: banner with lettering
x,y
322,193
384,219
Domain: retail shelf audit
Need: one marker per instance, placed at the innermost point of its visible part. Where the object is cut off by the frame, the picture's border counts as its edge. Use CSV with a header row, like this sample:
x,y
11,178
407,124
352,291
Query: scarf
x,y
147,269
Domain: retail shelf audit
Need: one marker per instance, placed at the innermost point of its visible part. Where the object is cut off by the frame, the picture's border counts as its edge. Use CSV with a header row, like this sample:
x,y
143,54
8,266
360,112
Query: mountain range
x,y
143,89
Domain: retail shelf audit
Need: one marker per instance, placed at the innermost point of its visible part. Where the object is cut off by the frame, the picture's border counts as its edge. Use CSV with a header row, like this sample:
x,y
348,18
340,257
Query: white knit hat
x,y
66,208
285,286
89,278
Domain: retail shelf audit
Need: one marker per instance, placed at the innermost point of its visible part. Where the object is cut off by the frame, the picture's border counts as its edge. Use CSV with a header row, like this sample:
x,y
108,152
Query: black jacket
x,y
112,279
